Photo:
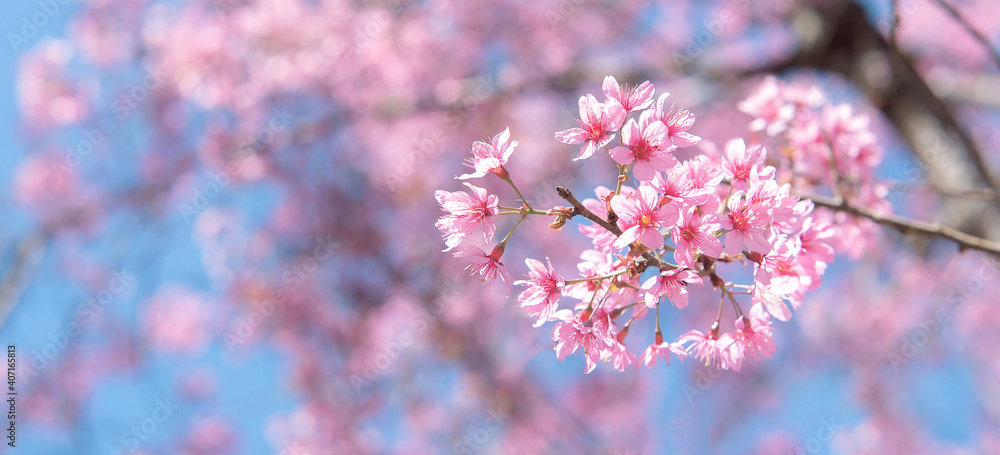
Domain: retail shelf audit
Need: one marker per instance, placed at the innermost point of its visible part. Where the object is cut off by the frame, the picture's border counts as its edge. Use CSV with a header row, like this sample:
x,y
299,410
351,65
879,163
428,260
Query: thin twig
x,y
966,241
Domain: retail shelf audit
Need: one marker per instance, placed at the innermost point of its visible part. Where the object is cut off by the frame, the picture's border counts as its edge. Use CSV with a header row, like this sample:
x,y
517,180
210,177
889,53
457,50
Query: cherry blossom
x,y
711,348
490,157
768,107
642,217
466,212
678,121
488,266
544,289
645,148
693,235
571,334
629,98
386,98
746,225
598,122
740,161
671,284
662,350
752,337
707,210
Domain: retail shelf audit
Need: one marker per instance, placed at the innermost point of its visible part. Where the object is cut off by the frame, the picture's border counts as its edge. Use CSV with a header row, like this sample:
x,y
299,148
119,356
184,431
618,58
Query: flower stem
x,y
736,306
510,181
595,278
504,241
521,211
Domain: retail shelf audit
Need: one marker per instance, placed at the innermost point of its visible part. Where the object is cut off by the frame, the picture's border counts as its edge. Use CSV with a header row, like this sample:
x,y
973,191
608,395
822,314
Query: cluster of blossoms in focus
x,y
667,227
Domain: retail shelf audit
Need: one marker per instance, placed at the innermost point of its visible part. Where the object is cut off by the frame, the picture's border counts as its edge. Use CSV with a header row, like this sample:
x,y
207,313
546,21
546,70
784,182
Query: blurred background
x,y
218,230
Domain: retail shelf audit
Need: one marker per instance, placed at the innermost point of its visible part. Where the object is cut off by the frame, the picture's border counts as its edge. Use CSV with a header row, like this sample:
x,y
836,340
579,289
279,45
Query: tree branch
x,y
650,259
905,225
579,209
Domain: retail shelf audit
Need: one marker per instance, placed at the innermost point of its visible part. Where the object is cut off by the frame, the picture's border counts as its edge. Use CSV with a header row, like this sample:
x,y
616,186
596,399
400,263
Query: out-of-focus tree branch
x,y
971,30
906,225
25,262
922,118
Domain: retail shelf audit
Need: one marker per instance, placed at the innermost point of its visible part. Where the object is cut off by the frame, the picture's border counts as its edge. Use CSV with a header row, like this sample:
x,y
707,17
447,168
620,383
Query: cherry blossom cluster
x,y
822,146
668,226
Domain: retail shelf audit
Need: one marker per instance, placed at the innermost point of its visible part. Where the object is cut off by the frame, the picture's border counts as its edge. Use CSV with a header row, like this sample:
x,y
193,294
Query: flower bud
x,y
621,335
501,172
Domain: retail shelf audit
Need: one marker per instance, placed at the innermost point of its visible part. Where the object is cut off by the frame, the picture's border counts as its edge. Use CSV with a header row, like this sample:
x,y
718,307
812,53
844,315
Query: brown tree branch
x,y
853,35
579,209
969,193
906,225
648,258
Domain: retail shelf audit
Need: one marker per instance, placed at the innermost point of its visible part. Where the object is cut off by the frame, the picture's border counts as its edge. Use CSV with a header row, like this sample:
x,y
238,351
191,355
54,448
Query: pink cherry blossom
x,y
815,238
571,334
629,98
773,202
466,212
712,348
746,226
671,284
598,122
740,161
544,290
678,121
177,320
646,147
602,239
661,350
704,176
753,335
490,157
773,300
641,217
488,266
619,356
694,234
593,264
675,184
768,107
